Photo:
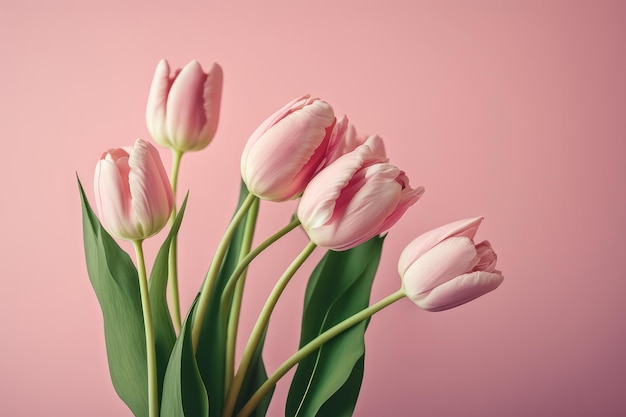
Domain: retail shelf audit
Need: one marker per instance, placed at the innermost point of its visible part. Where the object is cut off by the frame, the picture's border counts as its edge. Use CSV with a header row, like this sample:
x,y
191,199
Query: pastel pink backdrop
x,y
509,109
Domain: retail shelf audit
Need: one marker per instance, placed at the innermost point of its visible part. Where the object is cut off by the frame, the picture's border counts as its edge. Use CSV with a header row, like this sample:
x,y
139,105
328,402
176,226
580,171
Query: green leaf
x,y
255,377
184,394
115,281
211,353
164,335
328,381
343,402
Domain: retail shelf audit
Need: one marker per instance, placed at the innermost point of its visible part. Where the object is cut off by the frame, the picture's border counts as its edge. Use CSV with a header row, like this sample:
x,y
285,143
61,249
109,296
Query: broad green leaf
x,y
343,402
184,394
255,377
328,381
116,284
211,353
164,335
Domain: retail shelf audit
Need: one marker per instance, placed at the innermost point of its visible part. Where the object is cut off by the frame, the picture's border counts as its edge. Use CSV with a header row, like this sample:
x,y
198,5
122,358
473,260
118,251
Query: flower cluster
x,y
349,194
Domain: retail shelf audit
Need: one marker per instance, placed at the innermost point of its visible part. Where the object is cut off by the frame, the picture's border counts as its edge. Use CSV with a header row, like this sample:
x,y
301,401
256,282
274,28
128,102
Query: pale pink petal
x,y
212,96
157,102
350,140
162,182
363,205
151,199
459,290
337,143
421,244
113,193
293,105
408,197
185,115
313,165
488,257
376,144
318,200
278,165
446,260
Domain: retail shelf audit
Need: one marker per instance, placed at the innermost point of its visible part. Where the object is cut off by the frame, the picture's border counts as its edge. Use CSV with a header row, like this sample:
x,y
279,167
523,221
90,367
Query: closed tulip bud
x,y
183,108
133,193
444,268
285,152
355,198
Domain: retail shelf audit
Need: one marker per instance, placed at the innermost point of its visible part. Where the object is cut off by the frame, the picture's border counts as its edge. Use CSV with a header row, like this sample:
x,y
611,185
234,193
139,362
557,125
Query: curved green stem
x,y
260,326
212,274
312,346
173,257
235,308
243,264
153,389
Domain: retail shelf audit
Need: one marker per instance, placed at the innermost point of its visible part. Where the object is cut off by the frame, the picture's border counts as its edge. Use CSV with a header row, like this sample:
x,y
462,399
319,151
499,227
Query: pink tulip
x,y
355,198
133,193
344,139
183,109
444,268
284,153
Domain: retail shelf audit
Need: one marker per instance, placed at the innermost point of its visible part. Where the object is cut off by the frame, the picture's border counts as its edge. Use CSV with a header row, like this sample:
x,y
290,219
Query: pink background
x,y
514,110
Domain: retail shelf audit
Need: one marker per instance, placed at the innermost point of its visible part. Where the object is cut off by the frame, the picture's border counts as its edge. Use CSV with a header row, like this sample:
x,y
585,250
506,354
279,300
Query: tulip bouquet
x,y
350,195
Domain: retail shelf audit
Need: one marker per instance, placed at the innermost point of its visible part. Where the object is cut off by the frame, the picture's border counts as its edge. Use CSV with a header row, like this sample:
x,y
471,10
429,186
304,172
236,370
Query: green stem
x,y
153,390
235,309
212,274
243,264
173,257
260,326
313,346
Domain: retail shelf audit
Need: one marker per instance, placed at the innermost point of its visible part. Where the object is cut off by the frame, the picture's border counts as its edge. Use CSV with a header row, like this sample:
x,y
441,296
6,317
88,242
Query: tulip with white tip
x,y
133,193
183,108
444,268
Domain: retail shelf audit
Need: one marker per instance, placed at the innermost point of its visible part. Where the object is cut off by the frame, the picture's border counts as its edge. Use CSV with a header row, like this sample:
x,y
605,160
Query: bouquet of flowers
x,y
350,195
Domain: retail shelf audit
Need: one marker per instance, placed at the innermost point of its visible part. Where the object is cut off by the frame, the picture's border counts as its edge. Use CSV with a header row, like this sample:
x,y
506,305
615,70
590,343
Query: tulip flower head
x,y
444,268
133,193
344,139
355,198
284,153
183,109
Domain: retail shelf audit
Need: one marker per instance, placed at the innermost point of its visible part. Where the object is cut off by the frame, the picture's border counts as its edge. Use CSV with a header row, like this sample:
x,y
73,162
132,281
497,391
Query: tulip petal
x,y
317,204
151,197
424,242
376,145
113,192
446,260
361,208
408,197
294,143
488,258
185,106
337,144
368,205
459,290
212,97
157,102
318,200
293,105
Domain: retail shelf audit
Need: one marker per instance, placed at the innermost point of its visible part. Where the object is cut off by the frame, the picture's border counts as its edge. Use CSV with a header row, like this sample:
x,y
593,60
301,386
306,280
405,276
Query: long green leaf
x,y
115,282
343,402
184,394
164,335
211,353
255,377
328,381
